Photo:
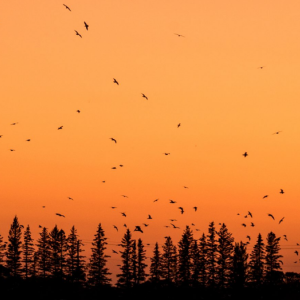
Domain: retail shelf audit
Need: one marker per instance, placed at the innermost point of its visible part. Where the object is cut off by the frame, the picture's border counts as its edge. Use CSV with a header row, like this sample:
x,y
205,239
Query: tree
x,y
54,243
133,262
240,265
141,265
79,272
126,275
28,252
202,260
98,272
225,256
169,261
43,253
13,253
185,257
195,263
63,246
211,245
272,257
156,265
257,262
2,250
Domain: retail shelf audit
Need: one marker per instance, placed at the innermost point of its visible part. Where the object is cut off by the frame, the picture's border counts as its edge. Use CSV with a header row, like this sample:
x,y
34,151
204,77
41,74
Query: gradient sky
x,y
210,81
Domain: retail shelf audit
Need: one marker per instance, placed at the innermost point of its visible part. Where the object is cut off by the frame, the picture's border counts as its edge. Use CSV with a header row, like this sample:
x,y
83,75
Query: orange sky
x,y
209,81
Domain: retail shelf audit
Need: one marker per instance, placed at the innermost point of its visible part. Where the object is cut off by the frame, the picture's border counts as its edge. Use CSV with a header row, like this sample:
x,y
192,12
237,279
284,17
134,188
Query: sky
x,y
230,79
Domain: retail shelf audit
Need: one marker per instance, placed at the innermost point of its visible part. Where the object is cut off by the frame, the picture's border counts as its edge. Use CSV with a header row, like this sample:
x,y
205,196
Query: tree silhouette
x,y
134,262
28,252
169,260
63,246
272,257
156,265
225,256
257,262
185,257
98,272
141,265
55,255
43,253
13,253
202,260
2,250
195,263
240,265
211,255
125,277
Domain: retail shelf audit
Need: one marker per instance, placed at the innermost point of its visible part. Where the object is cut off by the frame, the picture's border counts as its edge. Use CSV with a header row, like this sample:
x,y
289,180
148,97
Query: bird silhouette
x,y
70,198
185,187
67,7
124,196
60,215
114,140
178,125
265,196
144,96
296,252
166,153
174,226
261,67
78,111
123,214
172,201
182,211
149,217
116,227
173,220
249,213
61,127
114,251
138,228
245,154
277,132
113,207
195,208
121,166
28,140
252,224
244,225
86,26
281,220
77,33
179,35
248,237
271,216
115,81
114,168
146,225
14,123
285,237
281,191
155,200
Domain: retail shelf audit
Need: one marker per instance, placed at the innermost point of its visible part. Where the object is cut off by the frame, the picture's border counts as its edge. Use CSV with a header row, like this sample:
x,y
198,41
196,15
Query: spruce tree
x,y
185,262
225,256
211,245
257,262
240,265
14,246
125,277
141,265
28,252
133,262
272,257
202,260
2,250
156,266
195,263
98,272
54,243
169,267
79,273
43,253
62,242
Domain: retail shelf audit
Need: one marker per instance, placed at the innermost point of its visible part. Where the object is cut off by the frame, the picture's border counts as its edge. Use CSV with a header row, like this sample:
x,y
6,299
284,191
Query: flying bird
x,y
146,225
174,226
166,153
138,228
60,215
244,225
149,217
113,207
155,200
261,67
77,33
12,149
61,127
249,213
265,196
114,251
281,220
121,166
70,198
271,216
172,201
182,211
67,7
285,237
114,140
28,140
144,96
296,252
277,132
115,227
115,81
124,196
252,224
178,125
185,187
248,237
86,26
245,154
14,123
78,111
281,191
179,35
113,168
195,208
123,214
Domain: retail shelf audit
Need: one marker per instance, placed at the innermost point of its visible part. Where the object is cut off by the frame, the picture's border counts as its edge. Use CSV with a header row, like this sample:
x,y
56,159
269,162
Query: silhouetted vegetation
x,y
213,266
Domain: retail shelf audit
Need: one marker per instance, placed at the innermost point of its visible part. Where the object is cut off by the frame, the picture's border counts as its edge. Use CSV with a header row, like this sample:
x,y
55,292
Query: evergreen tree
x,y
79,273
2,250
14,246
195,263
133,262
257,262
211,245
34,266
28,252
141,265
272,258
54,243
125,277
43,253
156,265
240,265
185,257
63,246
225,256
202,260
98,272
169,261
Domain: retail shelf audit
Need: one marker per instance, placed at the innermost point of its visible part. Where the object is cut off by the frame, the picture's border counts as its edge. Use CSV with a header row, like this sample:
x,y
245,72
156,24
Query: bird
x,y
28,140
115,81
77,33
185,187
114,140
123,214
244,225
179,35
114,251
182,211
103,181
172,201
138,228
61,127
146,225
281,220
125,225
197,229
1,136
43,206
144,96
121,166
113,207
124,196
265,196
40,226
166,153
178,125
281,191
60,215
252,224
149,217
173,220
174,226
12,149
296,252
277,132
67,7
115,227
113,168
86,26
70,198
271,216
195,208
248,237
78,111
261,67
245,154
14,123
285,237
249,213
155,200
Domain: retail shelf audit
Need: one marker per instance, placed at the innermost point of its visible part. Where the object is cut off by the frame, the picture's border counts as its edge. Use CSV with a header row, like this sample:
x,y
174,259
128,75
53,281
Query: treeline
x,y
209,264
